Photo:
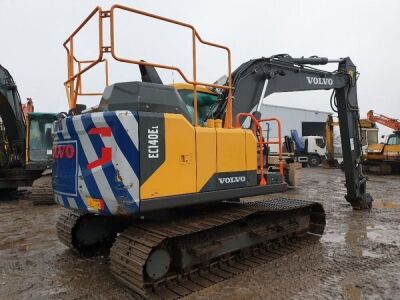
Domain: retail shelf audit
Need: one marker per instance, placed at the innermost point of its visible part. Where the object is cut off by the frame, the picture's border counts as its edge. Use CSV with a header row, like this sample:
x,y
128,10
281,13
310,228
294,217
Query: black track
x,y
132,248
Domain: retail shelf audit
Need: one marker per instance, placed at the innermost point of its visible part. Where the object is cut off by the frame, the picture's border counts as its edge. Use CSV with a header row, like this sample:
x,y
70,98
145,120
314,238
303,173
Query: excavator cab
x,y
38,157
205,100
39,140
394,139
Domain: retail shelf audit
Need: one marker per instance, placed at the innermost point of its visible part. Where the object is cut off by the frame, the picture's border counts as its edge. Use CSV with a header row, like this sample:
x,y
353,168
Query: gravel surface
x,y
358,257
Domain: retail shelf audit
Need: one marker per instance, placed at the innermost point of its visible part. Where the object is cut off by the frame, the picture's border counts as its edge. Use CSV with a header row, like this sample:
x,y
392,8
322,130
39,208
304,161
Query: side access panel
x,y
376,152
251,157
167,155
392,152
206,150
236,159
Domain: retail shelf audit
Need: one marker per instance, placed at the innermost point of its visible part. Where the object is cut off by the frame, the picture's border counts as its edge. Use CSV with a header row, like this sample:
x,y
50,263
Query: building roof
x,y
299,109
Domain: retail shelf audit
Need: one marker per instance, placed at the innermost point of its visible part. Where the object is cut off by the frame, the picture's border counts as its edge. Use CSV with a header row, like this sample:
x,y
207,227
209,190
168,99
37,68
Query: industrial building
x,y
305,121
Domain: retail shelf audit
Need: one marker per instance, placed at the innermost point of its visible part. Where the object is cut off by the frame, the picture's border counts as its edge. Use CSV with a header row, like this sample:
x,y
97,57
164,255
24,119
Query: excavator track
x,y
66,222
42,191
88,234
274,227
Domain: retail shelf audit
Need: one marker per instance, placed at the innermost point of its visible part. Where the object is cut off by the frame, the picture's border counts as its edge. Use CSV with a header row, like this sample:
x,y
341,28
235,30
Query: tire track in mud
x,y
335,270
34,265
304,274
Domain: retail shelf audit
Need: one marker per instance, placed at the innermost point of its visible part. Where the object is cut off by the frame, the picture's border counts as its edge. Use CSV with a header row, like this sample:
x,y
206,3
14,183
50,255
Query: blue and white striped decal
x,y
116,182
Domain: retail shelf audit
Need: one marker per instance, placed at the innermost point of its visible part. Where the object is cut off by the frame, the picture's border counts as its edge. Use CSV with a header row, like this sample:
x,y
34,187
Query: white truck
x,y
309,149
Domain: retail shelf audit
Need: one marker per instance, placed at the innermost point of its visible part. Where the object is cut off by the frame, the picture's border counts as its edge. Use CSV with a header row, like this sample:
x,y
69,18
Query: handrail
x,y
80,93
73,78
279,142
261,142
70,84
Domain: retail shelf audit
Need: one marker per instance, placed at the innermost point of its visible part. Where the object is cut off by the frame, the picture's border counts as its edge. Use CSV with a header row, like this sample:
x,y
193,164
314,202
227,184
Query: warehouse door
x,y
313,128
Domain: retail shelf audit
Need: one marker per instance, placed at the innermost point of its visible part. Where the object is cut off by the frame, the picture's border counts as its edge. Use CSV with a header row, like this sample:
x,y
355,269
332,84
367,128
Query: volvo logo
x,y
319,81
63,151
225,180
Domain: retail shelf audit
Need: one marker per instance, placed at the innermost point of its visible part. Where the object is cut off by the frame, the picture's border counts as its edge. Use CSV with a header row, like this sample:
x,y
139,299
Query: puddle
x,y
353,291
374,232
367,253
385,204
333,237
356,238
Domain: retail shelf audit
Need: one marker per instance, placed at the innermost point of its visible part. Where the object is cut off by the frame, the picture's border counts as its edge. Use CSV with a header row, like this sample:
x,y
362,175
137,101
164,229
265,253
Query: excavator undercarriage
x,y
200,247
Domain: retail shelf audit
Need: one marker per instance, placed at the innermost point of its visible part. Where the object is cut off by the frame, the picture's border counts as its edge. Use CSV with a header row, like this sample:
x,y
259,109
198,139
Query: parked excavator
x,y
155,174
334,157
384,158
25,143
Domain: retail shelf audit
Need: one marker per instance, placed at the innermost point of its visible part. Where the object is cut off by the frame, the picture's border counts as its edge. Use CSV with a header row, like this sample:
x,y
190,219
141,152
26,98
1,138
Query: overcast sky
x,y
32,33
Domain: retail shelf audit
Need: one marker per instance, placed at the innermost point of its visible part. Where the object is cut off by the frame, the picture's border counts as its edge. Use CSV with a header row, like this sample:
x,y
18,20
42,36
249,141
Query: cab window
x,y
40,139
364,141
320,142
372,137
393,140
204,102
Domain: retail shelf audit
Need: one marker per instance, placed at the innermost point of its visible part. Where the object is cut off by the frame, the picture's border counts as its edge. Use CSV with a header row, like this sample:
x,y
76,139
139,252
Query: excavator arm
x,y
384,120
10,107
12,119
259,78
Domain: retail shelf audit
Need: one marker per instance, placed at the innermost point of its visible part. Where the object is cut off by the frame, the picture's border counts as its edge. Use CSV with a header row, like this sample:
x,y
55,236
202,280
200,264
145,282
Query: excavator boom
x,y
256,79
384,120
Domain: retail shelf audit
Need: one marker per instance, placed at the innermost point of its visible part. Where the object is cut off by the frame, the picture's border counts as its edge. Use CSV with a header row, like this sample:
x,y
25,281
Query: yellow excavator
x,y
384,158
334,157
331,158
156,175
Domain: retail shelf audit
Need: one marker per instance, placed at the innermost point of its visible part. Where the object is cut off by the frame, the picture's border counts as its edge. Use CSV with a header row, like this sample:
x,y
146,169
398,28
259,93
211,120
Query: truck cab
x,y
308,149
314,149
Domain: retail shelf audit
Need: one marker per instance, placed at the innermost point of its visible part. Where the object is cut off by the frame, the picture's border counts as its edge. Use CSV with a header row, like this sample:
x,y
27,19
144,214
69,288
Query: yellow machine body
x,y
196,155
380,152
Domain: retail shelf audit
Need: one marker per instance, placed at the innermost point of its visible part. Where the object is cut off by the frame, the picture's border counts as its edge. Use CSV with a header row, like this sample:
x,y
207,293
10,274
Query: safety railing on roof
x,y
73,84
258,132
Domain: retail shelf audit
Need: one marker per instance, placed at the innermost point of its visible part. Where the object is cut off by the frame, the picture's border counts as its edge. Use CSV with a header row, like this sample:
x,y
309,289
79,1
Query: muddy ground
x,y
358,257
